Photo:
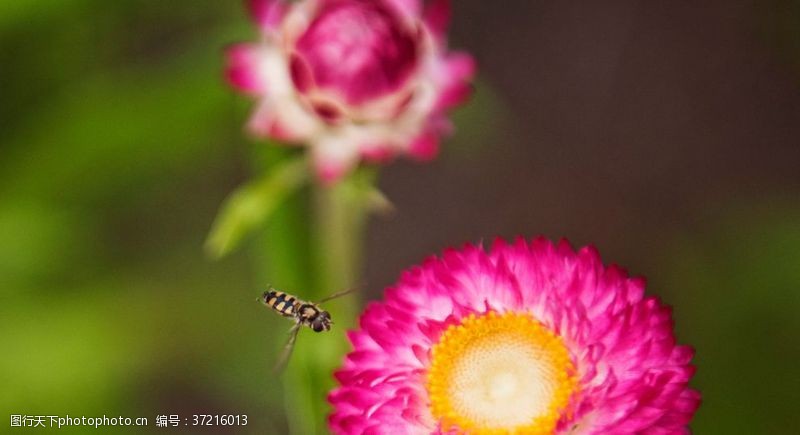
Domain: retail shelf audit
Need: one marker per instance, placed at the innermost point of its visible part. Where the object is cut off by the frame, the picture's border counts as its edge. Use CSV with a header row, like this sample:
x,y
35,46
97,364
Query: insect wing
x,y
280,364
336,295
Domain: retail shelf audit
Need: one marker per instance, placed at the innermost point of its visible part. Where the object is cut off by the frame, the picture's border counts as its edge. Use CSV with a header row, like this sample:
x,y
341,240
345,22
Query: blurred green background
x,y
669,136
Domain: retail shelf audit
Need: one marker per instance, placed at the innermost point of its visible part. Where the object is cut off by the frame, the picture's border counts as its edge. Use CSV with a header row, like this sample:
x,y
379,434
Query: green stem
x,y
339,236
337,226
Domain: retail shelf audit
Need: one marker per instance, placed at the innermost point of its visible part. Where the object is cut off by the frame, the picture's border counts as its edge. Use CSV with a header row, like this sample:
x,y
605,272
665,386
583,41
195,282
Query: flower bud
x,y
351,79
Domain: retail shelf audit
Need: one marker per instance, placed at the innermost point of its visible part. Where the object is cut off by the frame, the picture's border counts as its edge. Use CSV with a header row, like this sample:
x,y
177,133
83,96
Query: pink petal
x,y
437,17
454,75
411,9
425,147
268,14
333,158
289,124
242,70
377,153
360,51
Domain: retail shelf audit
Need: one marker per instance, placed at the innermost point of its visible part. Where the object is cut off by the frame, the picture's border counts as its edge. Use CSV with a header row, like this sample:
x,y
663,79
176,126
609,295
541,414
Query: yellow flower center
x,y
500,373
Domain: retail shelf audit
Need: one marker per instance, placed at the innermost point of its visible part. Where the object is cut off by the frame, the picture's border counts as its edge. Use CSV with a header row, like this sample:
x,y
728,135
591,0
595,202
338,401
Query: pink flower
x,y
352,79
527,338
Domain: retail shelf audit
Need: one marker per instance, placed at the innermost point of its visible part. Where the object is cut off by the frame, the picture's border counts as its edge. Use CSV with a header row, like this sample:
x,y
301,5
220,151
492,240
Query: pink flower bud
x,y
351,79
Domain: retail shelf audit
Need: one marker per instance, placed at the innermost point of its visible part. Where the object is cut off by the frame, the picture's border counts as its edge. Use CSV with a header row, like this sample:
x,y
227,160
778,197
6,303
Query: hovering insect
x,y
303,313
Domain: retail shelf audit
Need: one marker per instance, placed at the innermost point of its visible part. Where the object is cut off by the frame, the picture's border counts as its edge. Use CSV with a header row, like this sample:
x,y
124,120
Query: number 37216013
x,y
219,420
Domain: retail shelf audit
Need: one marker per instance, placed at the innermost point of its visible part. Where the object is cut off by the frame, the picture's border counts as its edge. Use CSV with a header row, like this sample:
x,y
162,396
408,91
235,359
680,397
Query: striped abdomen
x,y
281,302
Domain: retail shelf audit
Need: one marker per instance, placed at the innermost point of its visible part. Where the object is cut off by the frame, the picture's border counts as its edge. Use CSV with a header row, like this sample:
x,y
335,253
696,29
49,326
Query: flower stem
x,y
337,224
339,236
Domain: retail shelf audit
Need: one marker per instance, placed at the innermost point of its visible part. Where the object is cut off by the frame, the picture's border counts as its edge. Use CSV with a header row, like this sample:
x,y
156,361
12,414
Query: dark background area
x,y
666,134
626,124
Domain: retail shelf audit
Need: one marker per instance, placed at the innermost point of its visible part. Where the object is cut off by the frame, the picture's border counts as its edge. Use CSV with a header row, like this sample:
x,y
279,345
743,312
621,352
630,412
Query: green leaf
x,y
252,204
377,202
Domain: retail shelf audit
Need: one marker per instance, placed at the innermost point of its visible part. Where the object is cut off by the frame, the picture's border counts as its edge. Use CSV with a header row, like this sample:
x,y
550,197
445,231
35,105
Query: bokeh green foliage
x,y
739,281
119,141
